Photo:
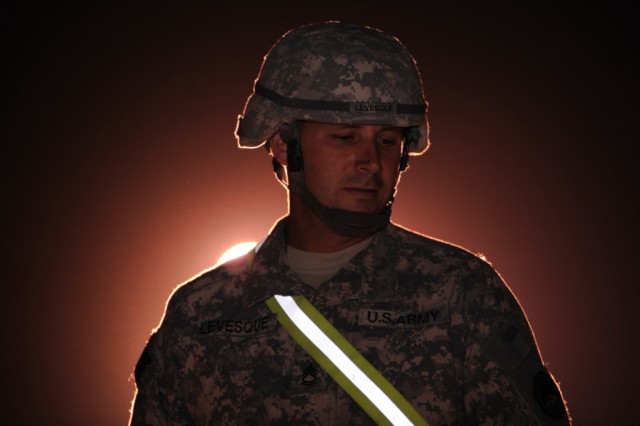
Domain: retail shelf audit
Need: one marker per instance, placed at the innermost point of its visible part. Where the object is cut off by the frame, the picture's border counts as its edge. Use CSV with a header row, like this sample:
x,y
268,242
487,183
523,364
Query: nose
x,y
368,155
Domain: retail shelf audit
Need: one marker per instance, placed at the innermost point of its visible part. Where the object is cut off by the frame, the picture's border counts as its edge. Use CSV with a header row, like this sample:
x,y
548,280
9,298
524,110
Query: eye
x,y
347,137
389,142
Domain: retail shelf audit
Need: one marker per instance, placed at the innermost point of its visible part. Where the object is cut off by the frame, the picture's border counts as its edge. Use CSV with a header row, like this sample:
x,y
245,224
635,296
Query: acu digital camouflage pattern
x,y
334,62
435,320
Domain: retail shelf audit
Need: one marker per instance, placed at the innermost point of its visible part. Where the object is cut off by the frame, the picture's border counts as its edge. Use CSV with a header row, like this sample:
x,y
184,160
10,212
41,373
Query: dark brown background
x,y
121,178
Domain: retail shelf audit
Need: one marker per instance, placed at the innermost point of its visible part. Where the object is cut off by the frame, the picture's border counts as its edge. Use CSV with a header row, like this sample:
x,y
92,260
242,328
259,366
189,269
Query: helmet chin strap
x,y
343,222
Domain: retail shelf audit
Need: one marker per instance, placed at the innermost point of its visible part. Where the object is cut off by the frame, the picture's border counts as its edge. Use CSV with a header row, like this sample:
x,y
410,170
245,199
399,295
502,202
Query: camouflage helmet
x,y
336,73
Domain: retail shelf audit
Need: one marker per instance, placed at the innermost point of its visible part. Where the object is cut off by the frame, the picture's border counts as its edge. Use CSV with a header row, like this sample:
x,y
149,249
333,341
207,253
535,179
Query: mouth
x,y
363,191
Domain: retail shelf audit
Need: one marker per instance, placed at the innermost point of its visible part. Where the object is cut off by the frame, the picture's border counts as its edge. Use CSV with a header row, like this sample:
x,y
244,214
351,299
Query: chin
x,y
359,208
360,205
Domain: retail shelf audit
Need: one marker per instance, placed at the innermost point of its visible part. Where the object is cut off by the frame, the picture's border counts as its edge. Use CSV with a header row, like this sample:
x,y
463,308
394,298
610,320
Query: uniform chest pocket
x,y
238,341
396,334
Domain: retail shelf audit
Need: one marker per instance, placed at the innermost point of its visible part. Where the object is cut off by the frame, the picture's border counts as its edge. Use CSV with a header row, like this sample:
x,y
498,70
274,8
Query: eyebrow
x,y
357,126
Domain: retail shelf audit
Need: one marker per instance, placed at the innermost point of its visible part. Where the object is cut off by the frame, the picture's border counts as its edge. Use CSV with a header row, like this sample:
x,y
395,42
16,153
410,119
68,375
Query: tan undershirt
x,y
315,268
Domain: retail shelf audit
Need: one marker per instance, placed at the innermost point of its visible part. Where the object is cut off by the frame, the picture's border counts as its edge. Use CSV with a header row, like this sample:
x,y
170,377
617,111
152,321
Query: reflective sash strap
x,y
353,373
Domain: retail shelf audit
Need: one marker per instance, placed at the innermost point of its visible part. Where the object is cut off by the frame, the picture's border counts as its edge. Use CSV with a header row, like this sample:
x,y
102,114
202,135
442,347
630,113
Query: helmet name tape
x,y
367,107
372,107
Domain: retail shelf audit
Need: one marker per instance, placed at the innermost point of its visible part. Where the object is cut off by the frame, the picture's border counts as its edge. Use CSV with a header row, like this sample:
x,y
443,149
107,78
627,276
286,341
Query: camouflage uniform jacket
x,y
435,320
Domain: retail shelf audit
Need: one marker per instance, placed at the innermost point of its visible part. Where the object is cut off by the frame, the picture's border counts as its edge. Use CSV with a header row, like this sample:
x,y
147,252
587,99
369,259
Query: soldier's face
x,y
350,167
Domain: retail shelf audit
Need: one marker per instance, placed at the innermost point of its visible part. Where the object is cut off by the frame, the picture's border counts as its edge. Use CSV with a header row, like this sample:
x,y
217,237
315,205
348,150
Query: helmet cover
x,y
335,73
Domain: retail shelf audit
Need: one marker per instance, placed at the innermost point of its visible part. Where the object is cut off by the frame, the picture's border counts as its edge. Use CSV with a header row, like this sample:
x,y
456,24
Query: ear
x,y
278,148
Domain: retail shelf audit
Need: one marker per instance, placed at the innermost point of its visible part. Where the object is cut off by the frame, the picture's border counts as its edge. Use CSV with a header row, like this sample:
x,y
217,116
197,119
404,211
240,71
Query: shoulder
x,y
469,276
418,248
208,292
225,289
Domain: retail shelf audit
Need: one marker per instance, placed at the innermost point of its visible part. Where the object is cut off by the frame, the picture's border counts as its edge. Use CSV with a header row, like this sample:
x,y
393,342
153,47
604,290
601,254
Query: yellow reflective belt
x,y
355,375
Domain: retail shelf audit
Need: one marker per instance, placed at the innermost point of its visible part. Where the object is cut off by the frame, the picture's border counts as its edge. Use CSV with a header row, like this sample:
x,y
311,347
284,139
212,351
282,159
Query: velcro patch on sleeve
x,y
509,346
143,362
512,348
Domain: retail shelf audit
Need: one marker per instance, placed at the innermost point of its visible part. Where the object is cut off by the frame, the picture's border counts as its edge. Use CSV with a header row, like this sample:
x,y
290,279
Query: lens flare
x,y
236,251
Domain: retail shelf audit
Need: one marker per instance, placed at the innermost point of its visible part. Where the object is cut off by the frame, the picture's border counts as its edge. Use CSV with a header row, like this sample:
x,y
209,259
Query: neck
x,y
306,231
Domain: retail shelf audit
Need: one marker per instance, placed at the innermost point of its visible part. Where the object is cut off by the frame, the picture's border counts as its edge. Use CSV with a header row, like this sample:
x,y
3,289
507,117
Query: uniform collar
x,y
268,272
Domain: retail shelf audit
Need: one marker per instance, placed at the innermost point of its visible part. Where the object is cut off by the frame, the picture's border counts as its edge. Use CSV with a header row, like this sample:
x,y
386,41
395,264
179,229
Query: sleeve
x,y
505,380
147,409
157,401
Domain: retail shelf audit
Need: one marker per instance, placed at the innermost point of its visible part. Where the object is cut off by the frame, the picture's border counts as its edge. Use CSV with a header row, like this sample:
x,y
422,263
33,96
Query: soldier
x,y
340,316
